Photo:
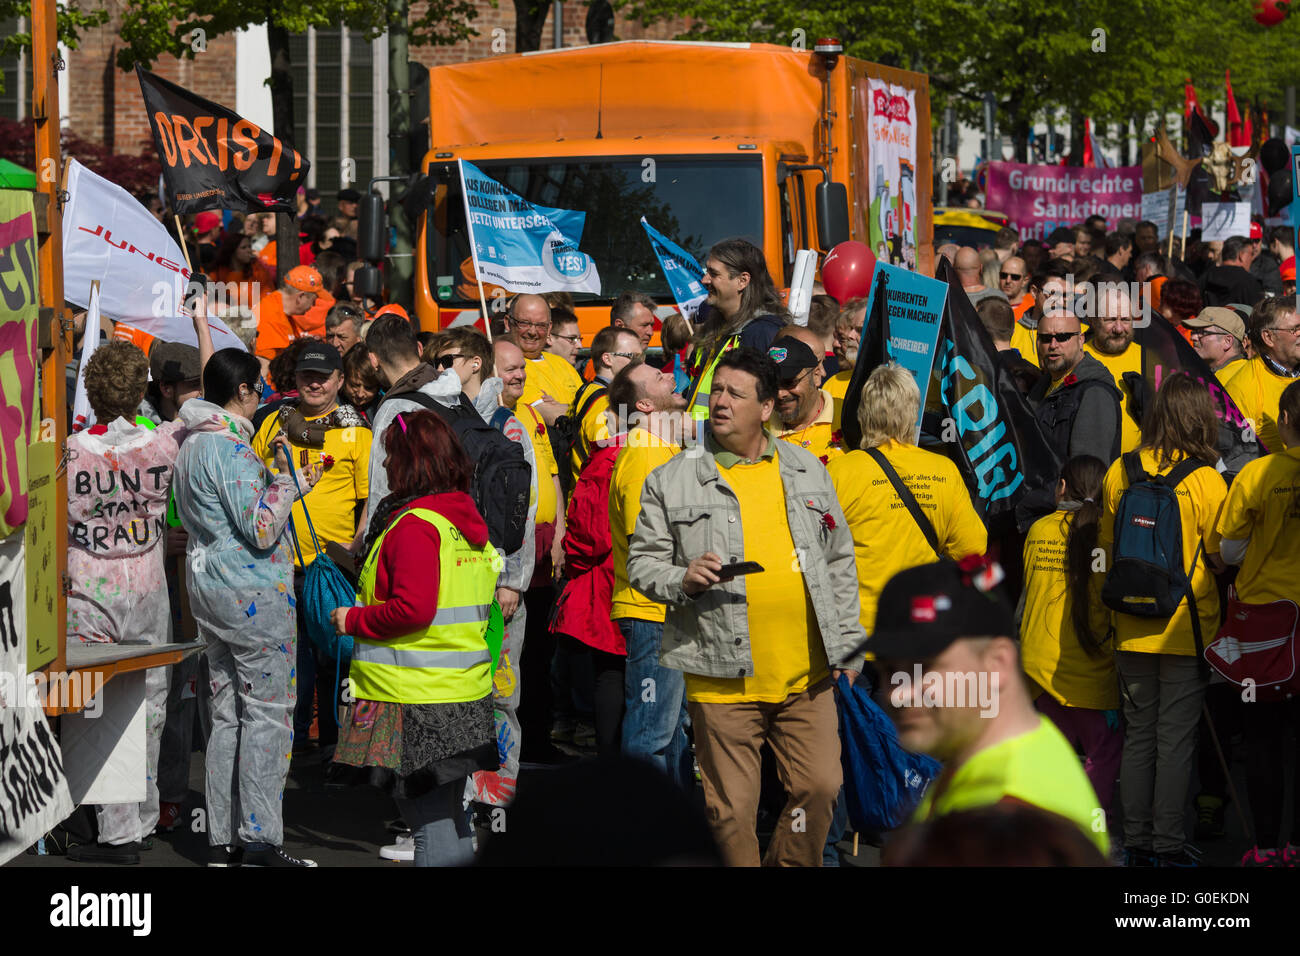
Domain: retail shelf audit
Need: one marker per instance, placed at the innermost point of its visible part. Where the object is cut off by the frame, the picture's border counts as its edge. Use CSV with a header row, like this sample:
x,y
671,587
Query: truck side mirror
x,y
367,283
832,215
372,229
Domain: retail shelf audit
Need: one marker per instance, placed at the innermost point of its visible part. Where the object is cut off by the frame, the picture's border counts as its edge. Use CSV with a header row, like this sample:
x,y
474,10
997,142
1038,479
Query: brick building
x,y
340,114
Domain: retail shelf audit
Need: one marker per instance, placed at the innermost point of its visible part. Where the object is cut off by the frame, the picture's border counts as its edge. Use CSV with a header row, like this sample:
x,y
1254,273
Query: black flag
x,y
978,416
873,350
213,158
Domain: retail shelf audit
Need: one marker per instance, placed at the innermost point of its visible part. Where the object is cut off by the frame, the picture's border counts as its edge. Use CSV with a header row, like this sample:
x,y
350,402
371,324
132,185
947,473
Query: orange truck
x,y
791,149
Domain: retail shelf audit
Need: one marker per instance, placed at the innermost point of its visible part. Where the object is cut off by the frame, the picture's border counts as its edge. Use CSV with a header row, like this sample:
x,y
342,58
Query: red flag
x,y
1089,161
1238,131
1191,105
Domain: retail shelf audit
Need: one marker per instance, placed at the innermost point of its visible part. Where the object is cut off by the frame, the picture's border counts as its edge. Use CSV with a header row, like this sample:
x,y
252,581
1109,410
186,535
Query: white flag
x,y
108,236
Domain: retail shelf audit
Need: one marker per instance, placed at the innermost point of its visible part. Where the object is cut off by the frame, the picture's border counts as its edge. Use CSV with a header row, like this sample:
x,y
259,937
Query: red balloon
x,y
1270,13
847,271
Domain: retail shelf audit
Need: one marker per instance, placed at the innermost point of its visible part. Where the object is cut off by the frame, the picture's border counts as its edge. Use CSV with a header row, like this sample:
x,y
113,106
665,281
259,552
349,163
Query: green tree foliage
x,y
75,18
1112,60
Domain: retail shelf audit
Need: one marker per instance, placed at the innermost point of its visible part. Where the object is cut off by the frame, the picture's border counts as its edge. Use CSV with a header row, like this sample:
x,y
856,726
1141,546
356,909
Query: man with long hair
x,y
745,311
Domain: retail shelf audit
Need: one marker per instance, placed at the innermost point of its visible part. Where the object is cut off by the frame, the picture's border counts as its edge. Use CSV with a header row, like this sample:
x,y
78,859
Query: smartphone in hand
x,y
729,571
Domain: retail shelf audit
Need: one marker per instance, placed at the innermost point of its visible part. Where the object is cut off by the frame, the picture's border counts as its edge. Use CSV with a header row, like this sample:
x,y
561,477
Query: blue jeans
x,y
441,829
654,727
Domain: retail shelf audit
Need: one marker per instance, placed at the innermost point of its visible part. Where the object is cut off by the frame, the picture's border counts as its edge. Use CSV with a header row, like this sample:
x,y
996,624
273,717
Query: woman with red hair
x,y
421,669
1179,301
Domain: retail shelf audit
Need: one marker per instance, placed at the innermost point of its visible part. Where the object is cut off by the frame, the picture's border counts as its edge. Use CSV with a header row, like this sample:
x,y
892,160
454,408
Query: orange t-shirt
x,y
275,330
140,339
1026,303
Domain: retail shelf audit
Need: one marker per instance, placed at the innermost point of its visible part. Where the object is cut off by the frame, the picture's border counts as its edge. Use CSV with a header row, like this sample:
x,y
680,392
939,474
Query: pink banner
x,y
1038,199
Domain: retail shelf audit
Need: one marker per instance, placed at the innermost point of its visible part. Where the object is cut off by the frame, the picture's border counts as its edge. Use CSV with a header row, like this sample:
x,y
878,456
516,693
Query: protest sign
x,y
1038,199
34,796
520,246
19,355
110,238
213,158
890,157
914,307
680,269
1223,220
42,563
1155,209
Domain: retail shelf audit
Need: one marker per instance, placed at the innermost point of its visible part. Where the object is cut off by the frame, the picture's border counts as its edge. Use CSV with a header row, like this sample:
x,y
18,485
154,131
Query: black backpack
x,y
501,485
567,432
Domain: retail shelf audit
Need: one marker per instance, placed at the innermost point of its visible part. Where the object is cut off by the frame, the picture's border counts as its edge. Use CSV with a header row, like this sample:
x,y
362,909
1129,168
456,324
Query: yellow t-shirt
x,y
1257,392
332,502
1200,496
1039,768
593,428
1025,342
1050,653
547,504
784,638
1224,375
1264,505
822,436
885,537
642,454
552,375
837,386
1117,365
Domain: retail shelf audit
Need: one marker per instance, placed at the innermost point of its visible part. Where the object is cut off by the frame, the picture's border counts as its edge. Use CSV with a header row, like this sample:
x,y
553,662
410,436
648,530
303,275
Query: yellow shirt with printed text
x,y
1200,497
1264,505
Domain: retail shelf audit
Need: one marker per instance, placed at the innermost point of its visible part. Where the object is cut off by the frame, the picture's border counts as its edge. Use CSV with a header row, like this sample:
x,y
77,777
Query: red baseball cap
x,y
207,221
1256,231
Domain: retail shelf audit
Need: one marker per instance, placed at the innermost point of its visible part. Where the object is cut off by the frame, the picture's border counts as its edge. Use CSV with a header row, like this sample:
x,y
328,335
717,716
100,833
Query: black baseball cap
x,y
791,356
349,195
924,609
319,357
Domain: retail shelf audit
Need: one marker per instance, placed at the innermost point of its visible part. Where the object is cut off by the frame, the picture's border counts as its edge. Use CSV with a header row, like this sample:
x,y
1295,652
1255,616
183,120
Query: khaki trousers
x,y
803,731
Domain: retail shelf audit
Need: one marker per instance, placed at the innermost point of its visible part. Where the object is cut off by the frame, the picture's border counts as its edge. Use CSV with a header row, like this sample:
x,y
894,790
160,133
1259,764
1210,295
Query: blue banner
x,y
914,307
520,246
680,269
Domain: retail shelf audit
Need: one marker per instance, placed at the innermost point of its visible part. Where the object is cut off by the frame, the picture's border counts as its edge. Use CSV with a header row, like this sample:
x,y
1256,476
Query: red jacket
x,y
582,609
406,572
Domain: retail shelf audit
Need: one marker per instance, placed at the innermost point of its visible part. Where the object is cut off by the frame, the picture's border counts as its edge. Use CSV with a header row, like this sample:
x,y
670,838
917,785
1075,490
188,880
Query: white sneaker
x,y
403,849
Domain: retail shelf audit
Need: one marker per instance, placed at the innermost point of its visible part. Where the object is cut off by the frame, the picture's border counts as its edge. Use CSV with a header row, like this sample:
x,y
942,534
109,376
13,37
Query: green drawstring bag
x,y
496,634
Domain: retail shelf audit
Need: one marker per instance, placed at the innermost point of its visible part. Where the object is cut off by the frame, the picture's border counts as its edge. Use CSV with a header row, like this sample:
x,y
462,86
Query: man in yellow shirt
x,y
1219,336
1258,385
611,351
1112,345
804,409
944,649
848,332
320,431
550,382
654,713
886,536
745,542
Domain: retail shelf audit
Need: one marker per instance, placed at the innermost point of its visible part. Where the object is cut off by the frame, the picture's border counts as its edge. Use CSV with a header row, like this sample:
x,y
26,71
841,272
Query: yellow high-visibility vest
x,y
448,660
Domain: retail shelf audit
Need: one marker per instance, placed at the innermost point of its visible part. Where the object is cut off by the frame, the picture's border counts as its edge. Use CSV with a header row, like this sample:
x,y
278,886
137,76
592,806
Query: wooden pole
x,y
54,401
1182,252
185,246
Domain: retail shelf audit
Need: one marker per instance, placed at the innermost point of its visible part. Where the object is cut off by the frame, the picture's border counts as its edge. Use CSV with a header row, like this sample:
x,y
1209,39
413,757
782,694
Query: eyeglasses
x,y
256,388
1062,337
1013,276
1292,331
572,339
539,326
446,361
1201,333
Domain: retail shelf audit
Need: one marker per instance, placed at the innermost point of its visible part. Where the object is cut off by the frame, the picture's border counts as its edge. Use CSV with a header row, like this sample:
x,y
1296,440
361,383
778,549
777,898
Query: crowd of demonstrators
x,y
699,553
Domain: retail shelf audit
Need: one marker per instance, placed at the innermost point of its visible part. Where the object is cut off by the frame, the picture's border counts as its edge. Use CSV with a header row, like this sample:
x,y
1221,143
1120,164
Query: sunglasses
x,y
1014,276
447,361
1061,337
627,355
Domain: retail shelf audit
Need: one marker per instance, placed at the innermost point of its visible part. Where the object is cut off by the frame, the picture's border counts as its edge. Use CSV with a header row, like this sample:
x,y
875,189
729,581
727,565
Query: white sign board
x,y
1223,220
33,790
1155,208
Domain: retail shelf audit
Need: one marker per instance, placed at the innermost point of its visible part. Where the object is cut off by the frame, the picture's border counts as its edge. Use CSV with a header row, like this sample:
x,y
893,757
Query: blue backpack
x,y
883,783
1146,577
